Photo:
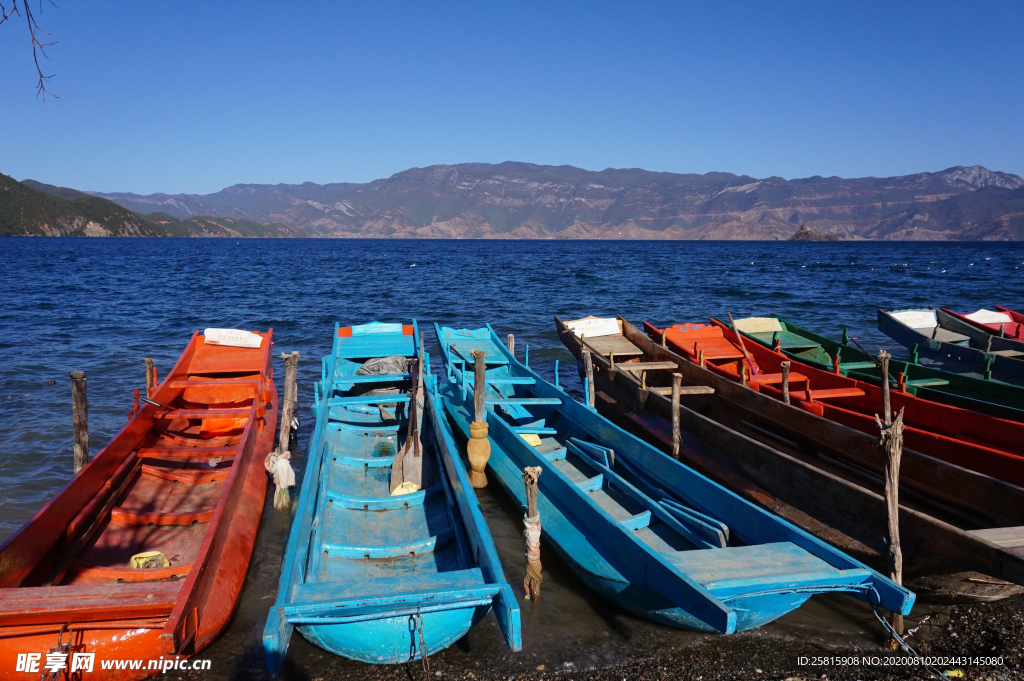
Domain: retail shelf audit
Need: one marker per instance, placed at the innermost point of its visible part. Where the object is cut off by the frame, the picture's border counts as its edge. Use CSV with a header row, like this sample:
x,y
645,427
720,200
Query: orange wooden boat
x,y
184,479
975,441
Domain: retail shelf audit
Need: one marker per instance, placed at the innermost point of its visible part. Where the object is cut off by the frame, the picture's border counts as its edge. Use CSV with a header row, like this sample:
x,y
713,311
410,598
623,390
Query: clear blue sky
x,y
196,96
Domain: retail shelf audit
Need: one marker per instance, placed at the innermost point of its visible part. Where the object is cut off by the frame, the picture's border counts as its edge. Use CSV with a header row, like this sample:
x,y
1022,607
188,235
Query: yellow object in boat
x,y
405,488
532,439
149,559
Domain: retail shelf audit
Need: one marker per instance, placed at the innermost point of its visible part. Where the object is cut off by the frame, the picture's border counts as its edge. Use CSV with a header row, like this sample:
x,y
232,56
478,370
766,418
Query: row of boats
x,y
775,493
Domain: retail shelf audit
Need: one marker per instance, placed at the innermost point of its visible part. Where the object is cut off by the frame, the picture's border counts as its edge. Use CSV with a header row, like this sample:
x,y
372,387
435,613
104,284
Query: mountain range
x,y
522,200
32,208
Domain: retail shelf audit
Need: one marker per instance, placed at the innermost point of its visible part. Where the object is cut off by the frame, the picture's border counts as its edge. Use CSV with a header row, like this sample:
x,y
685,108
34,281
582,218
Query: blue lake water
x,y
102,305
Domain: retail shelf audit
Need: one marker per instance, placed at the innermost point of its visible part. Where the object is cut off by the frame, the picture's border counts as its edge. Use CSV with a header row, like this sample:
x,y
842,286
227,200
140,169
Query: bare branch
x,y
38,45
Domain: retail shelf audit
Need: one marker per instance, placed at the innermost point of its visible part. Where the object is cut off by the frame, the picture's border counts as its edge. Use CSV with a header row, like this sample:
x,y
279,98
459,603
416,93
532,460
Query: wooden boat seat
x,y
34,605
1007,353
772,379
617,345
740,567
685,390
367,400
384,503
927,382
238,413
464,347
522,401
826,393
184,452
1008,537
343,381
856,366
645,366
788,339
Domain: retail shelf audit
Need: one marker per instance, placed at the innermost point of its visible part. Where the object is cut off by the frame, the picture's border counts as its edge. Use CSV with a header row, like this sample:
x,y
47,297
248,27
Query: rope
x,y
423,646
280,467
531,537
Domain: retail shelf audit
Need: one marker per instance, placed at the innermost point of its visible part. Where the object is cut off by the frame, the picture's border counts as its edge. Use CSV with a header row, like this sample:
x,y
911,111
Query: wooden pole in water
x,y
664,332
676,380
150,383
291,367
883,362
588,364
531,535
512,344
80,413
891,442
478,449
785,380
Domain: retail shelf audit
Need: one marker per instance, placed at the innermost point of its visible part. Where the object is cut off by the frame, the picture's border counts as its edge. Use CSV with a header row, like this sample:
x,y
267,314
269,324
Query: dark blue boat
x,y
640,528
371,576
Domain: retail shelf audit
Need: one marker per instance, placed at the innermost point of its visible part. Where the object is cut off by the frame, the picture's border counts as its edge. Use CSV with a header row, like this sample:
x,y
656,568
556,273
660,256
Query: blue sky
x,y
194,97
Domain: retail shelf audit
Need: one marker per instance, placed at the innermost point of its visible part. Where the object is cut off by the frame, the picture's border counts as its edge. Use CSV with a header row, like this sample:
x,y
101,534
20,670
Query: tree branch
x,y
23,8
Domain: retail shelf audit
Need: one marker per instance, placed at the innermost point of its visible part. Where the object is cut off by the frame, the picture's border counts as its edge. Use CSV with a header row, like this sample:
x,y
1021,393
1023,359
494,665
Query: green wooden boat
x,y
1001,400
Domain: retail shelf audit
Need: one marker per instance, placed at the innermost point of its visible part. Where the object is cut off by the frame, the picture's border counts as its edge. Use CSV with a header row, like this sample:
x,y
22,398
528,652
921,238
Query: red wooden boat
x,y
183,484
966,438
1000,322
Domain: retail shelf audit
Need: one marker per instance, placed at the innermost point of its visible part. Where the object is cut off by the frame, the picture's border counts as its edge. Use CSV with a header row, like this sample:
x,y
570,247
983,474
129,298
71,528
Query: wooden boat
x,y
981,443
960,531
184,478
997,323
990,397
957,346
371,576
640,529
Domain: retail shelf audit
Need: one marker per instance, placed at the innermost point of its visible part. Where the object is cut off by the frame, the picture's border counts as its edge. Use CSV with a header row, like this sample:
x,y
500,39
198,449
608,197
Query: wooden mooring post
x,y
291,394
785,381
891,442
588,365
150,377
512,344
531,535
676,380
478,449
80,414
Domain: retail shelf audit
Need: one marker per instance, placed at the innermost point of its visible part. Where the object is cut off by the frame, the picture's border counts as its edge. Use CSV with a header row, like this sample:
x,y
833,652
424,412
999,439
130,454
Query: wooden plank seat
x,y
86,602
131,517
645,366
1007,537
617,345
509,401
238,413
184,452
927,382
188,476
215,383
685,390
371,378
464,347
772,379
826,393
856,366
394,398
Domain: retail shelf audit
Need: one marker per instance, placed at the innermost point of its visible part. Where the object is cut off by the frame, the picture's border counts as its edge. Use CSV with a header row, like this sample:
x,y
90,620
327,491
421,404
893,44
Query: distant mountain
x,y
522,200
33,208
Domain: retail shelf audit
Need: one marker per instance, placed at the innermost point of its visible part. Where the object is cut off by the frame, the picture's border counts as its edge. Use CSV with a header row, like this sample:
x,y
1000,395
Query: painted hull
x,y
139,616
771,454
657,575
368,575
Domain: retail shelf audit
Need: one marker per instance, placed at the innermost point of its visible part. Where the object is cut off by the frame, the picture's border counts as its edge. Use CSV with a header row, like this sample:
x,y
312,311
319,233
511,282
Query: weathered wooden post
x,y
512,344
785,380
478,449
676,380
743,373
531,535
80,415
588,364
700,357
891,442
664,332
278,462
291,367
883,362
150,383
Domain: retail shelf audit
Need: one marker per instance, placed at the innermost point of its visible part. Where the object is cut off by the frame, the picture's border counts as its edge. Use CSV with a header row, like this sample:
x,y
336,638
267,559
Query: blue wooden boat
x,y
641,529
370,576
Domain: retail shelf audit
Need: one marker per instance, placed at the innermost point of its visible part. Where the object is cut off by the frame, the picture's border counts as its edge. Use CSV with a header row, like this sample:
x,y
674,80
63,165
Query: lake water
x,y
102,305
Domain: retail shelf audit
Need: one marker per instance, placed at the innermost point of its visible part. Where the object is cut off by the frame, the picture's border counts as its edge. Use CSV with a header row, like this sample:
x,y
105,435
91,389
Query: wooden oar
x,y
743,348
408,464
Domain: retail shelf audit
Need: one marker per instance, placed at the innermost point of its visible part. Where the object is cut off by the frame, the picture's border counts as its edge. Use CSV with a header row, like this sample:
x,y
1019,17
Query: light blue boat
x,y
370,576
641,529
